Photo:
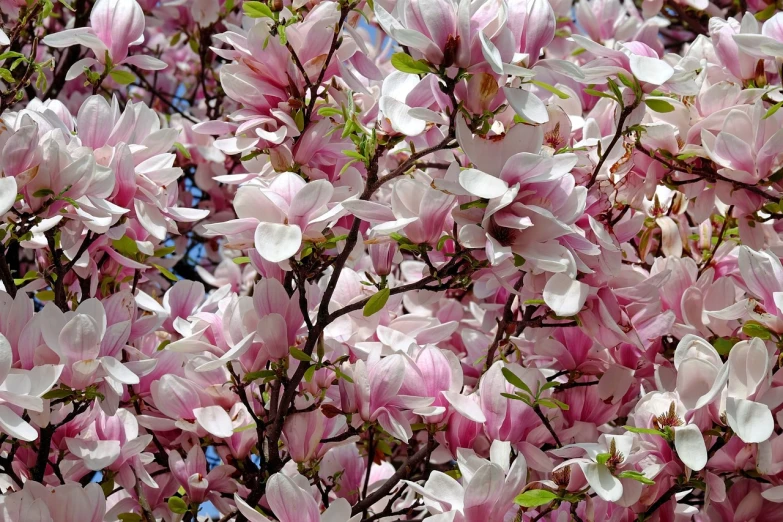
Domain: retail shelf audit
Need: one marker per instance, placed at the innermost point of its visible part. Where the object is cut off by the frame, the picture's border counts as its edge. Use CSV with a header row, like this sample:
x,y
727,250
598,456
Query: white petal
x,y
96,454
606,485
215,420
751,421
689,443
491,53
251,514
7,194
465,406
650,70
233,354
276,242
482,184
527,105
118,371
15,426
565,296
398,114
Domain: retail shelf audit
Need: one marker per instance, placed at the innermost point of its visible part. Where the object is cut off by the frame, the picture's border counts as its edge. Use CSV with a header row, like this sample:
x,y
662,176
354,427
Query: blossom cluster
x,y
391,260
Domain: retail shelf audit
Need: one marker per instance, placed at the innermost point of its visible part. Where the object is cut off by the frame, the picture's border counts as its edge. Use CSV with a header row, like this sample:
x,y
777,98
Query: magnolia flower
x,y
115,25
291,501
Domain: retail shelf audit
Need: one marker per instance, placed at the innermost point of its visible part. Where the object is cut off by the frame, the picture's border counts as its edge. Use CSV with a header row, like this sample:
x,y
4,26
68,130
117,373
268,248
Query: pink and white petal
x,y
650,70
234,353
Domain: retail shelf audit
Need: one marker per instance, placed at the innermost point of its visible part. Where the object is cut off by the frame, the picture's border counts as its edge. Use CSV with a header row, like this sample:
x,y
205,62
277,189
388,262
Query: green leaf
x,y
376,302
535,498
246,427
551,88
242,260
600,94
772,110
126,246
45,295
723,345
257,10
340,375
122,77
456,474
6,75
353,154
308,376
165,272
177,505
523,398
479,203
659,105
647,431
107,486
29,276
548,385
42,193
58,393
635,475
553,403
129,517
261,374
163,344
754,329
299,355
182,150
516,381
405,63
164,251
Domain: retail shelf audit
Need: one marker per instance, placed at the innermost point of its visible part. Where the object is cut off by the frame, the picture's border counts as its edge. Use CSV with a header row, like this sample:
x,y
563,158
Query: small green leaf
x,y
600,94
353,154
45,295
376,302
659,105
58,393
182,150
523,398
516,381
479,203
122,77
257,10
164,251
754,329
535,498
647,431
723,345
126,246
635,475
553,403
6,75
165,272
299,355
772,110
243,260
603,458
261,374
244,428
164,344
551,88
308,376
405,63
340,375
177,505
129,517
42,193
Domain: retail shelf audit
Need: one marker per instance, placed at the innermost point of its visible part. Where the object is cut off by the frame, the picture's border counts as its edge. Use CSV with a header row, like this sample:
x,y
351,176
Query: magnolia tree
x,y
355,260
